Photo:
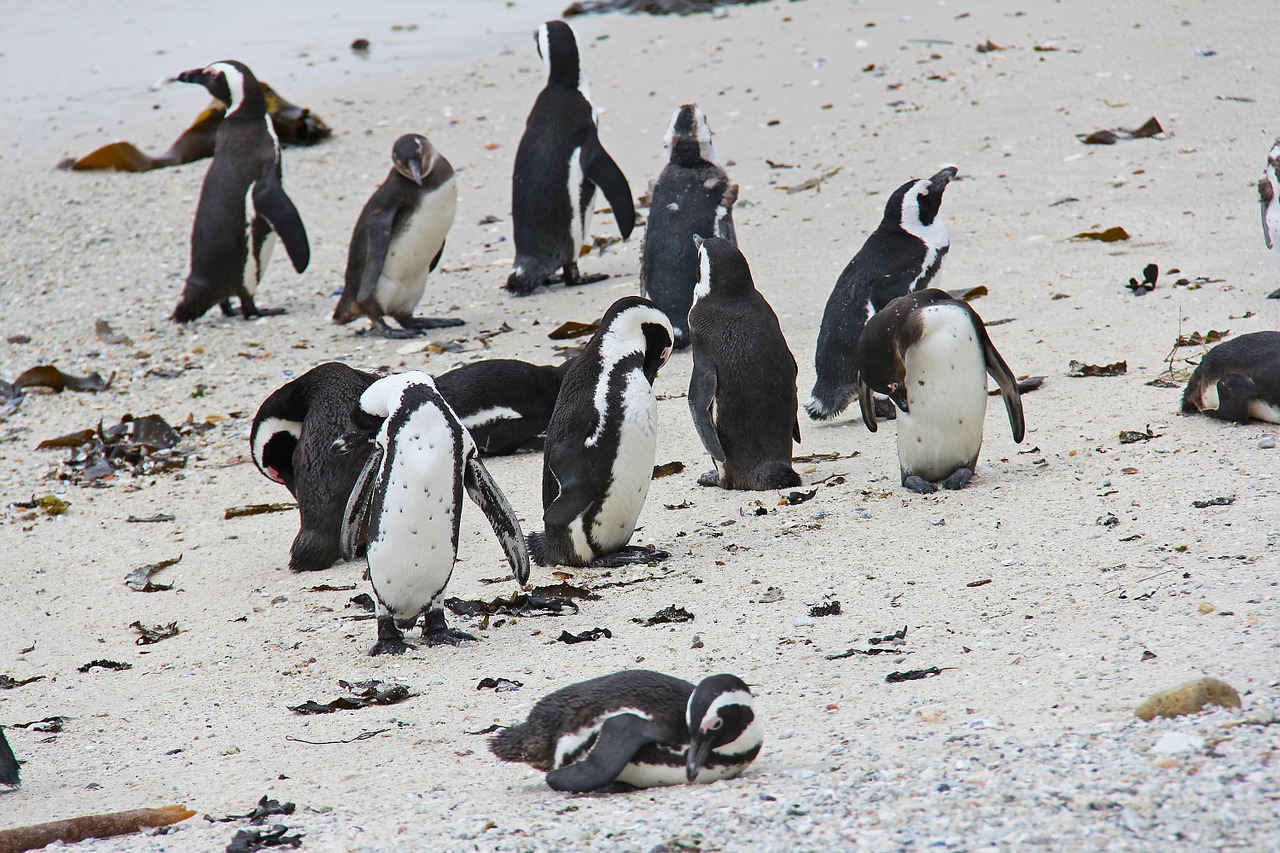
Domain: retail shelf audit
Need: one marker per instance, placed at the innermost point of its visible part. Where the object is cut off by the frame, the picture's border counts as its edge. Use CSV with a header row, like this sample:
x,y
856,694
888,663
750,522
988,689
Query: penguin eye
x,y
717,724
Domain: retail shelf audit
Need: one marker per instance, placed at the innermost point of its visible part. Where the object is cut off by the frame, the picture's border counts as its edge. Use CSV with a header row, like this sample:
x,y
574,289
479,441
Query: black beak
x,y
898,394
699,749
194,75
350,442
698,241
415,171
939,182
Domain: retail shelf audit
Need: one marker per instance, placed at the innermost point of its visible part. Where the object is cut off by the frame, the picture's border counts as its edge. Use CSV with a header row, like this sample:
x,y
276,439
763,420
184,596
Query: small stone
x,y
802,621
1267,442
1171,743
1205,607
1189,698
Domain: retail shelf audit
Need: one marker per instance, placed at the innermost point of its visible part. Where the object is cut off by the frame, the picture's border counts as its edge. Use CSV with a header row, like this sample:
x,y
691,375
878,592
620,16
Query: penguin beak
x,y
699,749
195,75
415,171
898,394
698,240
350,442
939,182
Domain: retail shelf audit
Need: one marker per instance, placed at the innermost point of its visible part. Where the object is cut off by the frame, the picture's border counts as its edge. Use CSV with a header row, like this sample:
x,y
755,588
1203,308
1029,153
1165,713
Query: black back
x,y
9,774
1243,369
528,389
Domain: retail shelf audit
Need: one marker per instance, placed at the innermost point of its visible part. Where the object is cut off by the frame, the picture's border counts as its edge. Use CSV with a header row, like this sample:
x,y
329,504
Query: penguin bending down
x,y
407,504
742,393
601,441
502,402
1238,380
901,256
398,240
930,354
692,196
1269,195
637,729
242,204
559,165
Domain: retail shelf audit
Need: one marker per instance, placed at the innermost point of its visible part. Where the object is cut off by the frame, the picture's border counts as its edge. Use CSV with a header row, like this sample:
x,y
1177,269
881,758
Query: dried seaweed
x,y
264,809
1214,502
364,694
50,505
102,329
572,329
102,663
139,580
147,445
588,636
564,590
248,840
796,498
1113,234
499,685
888,638
1150,273
8,682
830,608
1077,368
518,604
825,457
814,183
1132,436
667,469
913,674
982,582
649,7
148,636
1195,339
1149,128
150,519
666,616
48,376
970,294
256,509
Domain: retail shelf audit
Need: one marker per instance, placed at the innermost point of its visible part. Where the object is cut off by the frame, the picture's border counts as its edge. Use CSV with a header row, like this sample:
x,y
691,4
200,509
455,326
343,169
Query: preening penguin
x,y
742,393
1238,380
1269,195
398,241
692,196
901,256
601,441
407,503
242,204
637,729
931,355
559,165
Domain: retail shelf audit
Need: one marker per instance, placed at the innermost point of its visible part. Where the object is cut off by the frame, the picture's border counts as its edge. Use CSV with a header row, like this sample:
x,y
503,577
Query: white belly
x,y
1263,411
580,226
946,377
411,554
653,775
1273,225
632,468
404,271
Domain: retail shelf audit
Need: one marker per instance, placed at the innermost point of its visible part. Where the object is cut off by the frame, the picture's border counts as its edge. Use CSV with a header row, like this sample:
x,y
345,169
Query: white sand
x,y
1026,737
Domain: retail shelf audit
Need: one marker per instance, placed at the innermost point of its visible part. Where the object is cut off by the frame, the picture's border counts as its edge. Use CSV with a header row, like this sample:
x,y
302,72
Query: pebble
x,y
801,621
1189,698
1171,743
1267,442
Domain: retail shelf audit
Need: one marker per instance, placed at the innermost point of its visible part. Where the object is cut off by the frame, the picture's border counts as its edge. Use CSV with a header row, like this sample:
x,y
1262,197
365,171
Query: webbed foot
x,y
916,483
630,555
958,479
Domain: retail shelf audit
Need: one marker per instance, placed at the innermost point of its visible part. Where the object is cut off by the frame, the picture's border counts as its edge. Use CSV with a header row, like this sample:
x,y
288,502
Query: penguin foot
x,y
389,646
436,633
629,555
227,308
422,324
711,478
958,479
570,277
885,410
918,484
382,330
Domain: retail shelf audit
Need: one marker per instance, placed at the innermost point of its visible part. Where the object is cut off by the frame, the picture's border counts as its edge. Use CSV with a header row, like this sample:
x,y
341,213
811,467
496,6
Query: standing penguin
x,y
1269,194
1238,380
292,443
398,240
601,441
742,393
559,164
930,354
231,243
692,196
638,728
900,257
407,503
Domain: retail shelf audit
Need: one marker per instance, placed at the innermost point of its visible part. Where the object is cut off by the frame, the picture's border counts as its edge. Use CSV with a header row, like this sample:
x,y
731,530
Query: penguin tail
x,y
820,409
190,307
537,544
314,550
521,744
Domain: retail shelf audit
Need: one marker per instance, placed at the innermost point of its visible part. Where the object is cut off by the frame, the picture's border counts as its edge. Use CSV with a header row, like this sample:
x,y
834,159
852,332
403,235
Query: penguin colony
x,y
379,464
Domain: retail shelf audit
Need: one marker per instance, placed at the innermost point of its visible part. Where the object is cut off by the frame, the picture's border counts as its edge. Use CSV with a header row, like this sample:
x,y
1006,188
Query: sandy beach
x,y
1071,580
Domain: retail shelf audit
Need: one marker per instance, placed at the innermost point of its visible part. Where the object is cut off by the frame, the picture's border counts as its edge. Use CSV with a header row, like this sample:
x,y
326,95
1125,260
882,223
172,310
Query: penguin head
x,y
1273,156
413,155
231,82
634,324
688,139
722,269
720,717
558,48
913,207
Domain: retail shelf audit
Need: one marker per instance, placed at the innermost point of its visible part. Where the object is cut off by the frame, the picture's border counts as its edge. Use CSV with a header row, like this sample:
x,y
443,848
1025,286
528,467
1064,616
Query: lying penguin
x,y
637,729
1238,380
930,354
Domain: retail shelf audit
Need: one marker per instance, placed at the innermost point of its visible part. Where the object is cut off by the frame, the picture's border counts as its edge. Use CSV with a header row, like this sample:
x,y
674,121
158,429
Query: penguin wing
x,y
377,242
702,397
599,168
620,738
1003,376
724,215
502,518
867,402
435,262
355,519
270,201
567,463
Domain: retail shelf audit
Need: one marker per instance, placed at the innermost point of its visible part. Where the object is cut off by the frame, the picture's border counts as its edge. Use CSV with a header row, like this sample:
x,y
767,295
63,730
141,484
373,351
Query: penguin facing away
x,y
742,393
637,729
558,166
691,196
242,204
901,256
407,504
1238,380
503,402
398,241
292,443
930,354
1269,195
600,445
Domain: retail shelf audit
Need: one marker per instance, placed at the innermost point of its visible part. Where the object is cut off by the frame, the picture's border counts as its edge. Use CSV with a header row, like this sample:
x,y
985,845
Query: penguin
x,y
407,505
691,196
1268,191
292,444
9,774
503,402
598,458
637,729
398,240
930,353
742,393
559,165
901,256
1238,380
242,204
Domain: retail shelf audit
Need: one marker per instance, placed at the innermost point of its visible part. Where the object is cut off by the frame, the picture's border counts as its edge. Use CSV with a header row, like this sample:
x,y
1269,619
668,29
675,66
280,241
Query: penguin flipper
x,y
867,402
1004,377
567,464
377,242
270,201
702,396
619,739
357,512
435,262
599,168
493,503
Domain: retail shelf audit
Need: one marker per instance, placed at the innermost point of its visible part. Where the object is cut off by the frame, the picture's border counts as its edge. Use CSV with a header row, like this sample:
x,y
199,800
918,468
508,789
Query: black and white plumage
x,y
638,728
742,393
398,241
242,204
600,446
1269,195
503,402
407,505
901,256
559,165
930,354
692,196
292,443
9,774
1238,380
